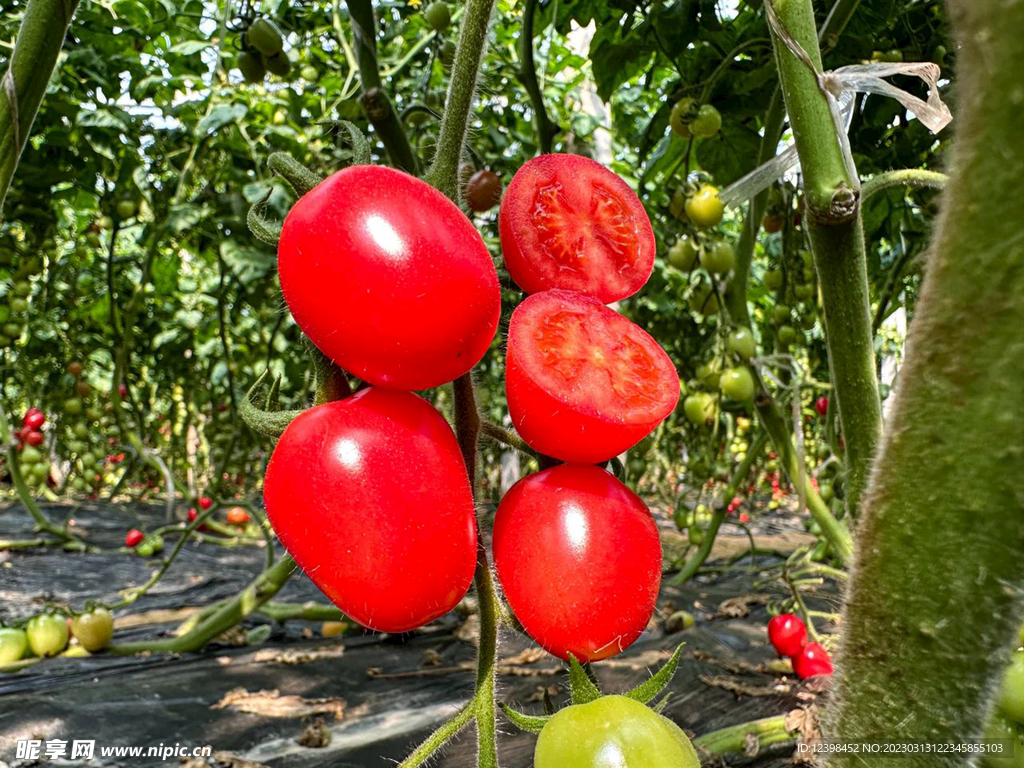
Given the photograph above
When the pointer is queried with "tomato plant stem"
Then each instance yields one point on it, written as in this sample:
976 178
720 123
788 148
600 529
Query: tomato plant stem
837 243
937 592
546 130
36 48
908 177
734 739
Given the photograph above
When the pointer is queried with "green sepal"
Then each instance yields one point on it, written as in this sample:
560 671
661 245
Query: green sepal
331 382
269 423
528 723
581 687
262 228
648 690
295 173
360 144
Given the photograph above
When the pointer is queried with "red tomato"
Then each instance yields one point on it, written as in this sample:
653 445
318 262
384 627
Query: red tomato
34 437
133 538
569 222
370 496
237 516
389 278
579 558
821 405
33 418
122 390
812 660
192 514
583 382
787 634
205 502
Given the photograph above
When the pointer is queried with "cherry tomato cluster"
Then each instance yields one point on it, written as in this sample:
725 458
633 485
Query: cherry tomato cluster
262 52
30 432
788 635
48 634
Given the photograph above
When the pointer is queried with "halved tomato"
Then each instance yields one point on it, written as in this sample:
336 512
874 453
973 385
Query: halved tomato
583 382
569 222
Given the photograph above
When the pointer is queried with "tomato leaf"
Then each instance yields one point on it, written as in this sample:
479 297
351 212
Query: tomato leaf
647 691
524 722
581 687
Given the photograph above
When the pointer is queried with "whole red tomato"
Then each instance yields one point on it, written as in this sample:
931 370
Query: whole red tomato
34 437
483 191
583 382
821 405
787 634
370 496
33 418
133 538
237 516
389 278
579 558
205 502
569 222
813 660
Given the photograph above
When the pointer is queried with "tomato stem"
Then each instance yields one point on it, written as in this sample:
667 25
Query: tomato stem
734 739
546 130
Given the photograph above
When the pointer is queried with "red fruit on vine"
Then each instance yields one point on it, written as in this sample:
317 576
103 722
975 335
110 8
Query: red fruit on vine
370 496
583 382
205 502
483 191
122 390
389 278
787 634
568 222
811 661
33 418
578 556
821 405
192 514
237 516
133 538
34 437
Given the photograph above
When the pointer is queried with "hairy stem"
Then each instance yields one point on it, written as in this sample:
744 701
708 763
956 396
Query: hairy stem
909 177
925 645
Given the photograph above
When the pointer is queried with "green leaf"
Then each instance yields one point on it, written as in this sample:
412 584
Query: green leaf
100 118
220 116
189 47
248 263
648 690
581 686
730 154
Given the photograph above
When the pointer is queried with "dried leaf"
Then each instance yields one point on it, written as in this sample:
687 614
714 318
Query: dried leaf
273 704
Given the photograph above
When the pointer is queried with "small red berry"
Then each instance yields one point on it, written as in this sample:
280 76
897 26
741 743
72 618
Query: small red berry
787 634
812 661
192 514
33 418
205 502
133 538
122 390
237 516
821 405
34 437
744 517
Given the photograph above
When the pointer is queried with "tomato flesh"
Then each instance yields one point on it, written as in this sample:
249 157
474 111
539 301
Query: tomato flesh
569 222
371 498
613 732
578 556
389 278
583 382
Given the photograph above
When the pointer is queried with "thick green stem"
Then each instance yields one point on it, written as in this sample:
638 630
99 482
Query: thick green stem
937 593
692 565
379 109
444 171
22 87
833 224
734 739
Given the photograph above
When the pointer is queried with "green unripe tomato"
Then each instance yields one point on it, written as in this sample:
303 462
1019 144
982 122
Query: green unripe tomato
682 113
145 549
251 66
47 634
105 222
156 542
13 644
264 36
5 341
737 384
125 209
1011 694
786 335
81 430
88 458
92 239
683 254
447 53
825 491
705 208
73 406
30 455
677 205
613 732
704 301
708 374
5 313
699 408
94 630
773 279
780 313
438 15
719 258
19 306
22 288
11 330
309 73
999 727
279 64
93 413
707 122
741 343
803 291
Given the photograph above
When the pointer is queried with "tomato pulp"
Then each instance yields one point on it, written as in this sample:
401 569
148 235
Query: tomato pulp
578 556
569 222
389 278
583 382
370 496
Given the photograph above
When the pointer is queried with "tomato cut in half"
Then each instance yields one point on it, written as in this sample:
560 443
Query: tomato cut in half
578 556
569 222
389 278
583 382
371 498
